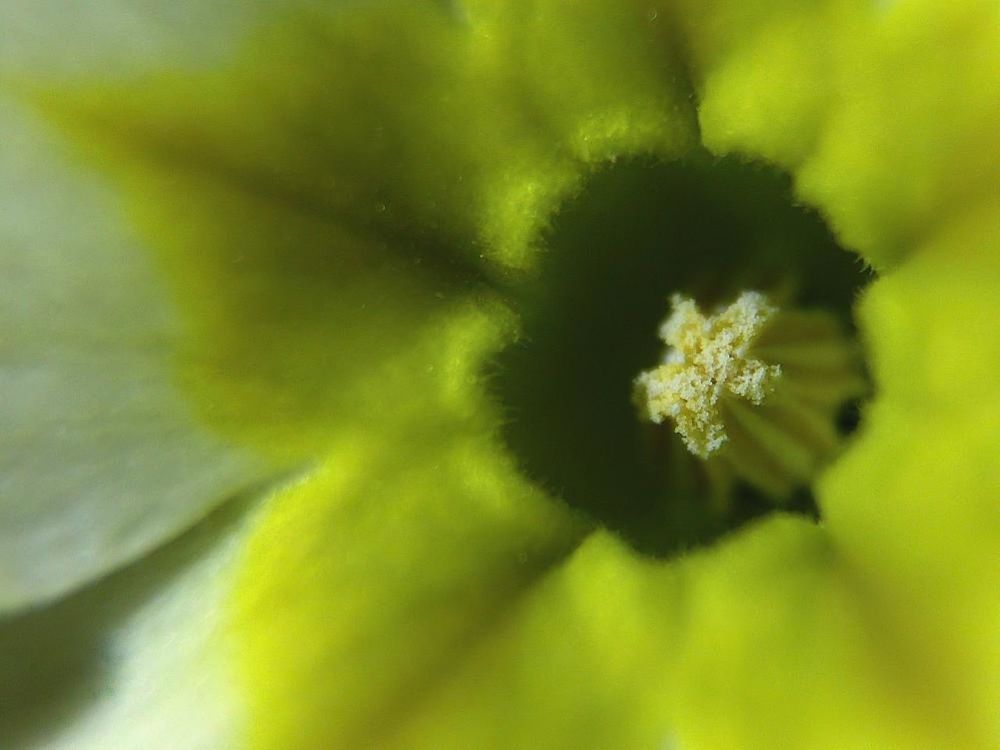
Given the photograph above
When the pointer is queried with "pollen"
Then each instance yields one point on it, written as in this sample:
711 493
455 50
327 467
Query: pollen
753 391
707 359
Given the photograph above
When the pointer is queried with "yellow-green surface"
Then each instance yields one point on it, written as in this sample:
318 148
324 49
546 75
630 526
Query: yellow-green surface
342 211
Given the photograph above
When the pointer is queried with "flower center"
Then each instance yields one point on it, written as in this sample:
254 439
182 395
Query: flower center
707 359
706 229
751 390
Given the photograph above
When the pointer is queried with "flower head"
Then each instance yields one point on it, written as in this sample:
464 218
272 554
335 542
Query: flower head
278 286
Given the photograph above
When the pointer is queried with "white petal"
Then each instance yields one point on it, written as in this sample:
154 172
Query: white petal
139 659
54 37
101 455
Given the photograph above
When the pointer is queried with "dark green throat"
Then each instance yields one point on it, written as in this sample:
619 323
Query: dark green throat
640 231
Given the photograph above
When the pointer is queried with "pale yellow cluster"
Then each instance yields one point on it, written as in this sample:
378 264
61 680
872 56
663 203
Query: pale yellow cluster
707 359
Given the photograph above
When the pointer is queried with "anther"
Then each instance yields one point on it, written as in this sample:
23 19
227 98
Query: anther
753 390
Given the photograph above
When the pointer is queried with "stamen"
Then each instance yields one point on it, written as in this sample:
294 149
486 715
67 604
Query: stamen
753 389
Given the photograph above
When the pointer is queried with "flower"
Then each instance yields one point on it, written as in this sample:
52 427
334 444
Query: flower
267 254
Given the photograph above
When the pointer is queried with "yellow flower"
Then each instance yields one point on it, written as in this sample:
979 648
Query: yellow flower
340 295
